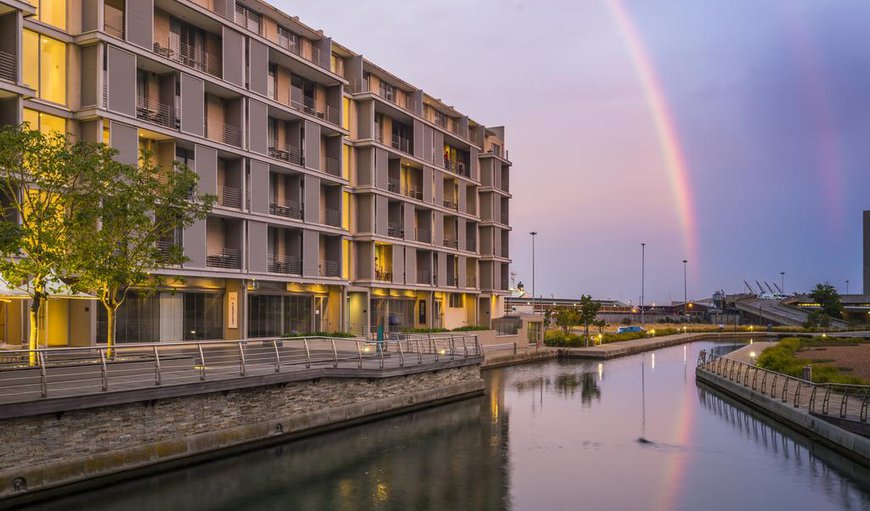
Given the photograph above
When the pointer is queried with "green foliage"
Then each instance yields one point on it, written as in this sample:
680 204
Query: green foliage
783 358
817 319
470 328
566 317
828 298
335 334
560 339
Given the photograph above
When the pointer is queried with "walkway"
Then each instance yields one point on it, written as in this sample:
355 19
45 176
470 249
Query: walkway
623 348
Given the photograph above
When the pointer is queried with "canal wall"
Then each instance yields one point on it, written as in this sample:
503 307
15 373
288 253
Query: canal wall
851 445
625 348
86 445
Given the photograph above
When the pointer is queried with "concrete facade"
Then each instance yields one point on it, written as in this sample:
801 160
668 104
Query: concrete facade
346 198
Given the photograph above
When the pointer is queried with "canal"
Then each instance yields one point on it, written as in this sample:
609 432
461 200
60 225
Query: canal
630 433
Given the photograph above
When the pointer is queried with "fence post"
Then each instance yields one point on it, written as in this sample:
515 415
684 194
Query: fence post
452 347
844 404
382 358
515 347
156 366
202 362
104 370
401 355
419 353
243 366
334 354
359 353
42 376
307 353
277 356
465 345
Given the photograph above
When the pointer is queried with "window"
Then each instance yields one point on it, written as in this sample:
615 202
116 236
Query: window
441 119
203 316
137 319
388 92
276 315
52 12
43 122
456 300
272 81
48 74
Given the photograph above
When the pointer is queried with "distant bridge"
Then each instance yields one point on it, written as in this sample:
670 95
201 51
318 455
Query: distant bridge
775 312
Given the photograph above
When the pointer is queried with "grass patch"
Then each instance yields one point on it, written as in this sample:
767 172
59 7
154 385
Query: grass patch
783 358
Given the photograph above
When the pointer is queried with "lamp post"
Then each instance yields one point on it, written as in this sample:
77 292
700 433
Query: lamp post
642 275
847 286
782 281
533 233
685 289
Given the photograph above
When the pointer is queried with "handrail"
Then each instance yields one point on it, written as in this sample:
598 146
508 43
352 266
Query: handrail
287 152
851 401
222 132
73 371
191 56
157 112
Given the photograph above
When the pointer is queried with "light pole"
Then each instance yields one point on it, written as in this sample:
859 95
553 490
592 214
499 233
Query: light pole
642 270
782 281
685 289
847 286
533 233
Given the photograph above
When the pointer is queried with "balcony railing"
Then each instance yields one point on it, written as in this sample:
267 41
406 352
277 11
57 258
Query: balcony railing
383 275
470 244
452 280
451 243
402 144
286 208
308 105
413 193
287 153
7 67
393 185
329 216
113 21
395 230
228 258
456 166
285 264
190 56
361 86
229 197
296 45
158 113
166 246
424 277
378 133
451 204
458 129
249 19
222 132
332 166
330 268
422 235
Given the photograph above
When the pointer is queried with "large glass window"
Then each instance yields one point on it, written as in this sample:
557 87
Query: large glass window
203 316
394 315
30 53
52 12
45 70
44 122
137 319
278 315
297 314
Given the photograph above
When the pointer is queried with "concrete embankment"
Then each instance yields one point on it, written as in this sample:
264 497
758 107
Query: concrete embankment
851 445
90 446
624 348
524 356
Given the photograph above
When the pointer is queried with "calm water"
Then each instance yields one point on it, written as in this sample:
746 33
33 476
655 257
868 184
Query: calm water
549 436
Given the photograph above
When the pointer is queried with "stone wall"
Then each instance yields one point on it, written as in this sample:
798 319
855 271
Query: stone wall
45 451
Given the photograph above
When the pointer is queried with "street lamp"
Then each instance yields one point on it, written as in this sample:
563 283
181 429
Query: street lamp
533 233
685 289
642 268
847 286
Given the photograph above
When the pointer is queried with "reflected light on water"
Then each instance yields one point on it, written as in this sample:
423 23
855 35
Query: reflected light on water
600 371
653 361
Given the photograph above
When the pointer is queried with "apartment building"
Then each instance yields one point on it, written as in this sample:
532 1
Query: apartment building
347 199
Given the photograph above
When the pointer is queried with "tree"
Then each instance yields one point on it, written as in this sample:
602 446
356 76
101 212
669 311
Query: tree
817 319
588 311
132 228
827 297
566 317
39 176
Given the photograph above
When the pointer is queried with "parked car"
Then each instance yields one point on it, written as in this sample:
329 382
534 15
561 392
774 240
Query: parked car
629 329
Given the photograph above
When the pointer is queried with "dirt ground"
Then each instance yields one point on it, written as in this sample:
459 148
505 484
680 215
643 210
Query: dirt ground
856 358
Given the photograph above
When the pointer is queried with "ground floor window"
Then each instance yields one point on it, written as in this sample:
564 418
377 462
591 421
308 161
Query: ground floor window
278 315
137 319
165 316
203 316
393 315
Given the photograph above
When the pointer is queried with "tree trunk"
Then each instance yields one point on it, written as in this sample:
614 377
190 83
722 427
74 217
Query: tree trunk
587 335
110 329
33 338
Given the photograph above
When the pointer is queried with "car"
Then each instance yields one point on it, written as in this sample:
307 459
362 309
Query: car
629 329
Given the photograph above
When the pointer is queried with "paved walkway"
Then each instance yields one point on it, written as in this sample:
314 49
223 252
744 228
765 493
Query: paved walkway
623 348
749 353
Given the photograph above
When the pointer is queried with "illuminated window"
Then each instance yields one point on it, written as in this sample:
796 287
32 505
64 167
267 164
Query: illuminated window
44 122
47 75
52 12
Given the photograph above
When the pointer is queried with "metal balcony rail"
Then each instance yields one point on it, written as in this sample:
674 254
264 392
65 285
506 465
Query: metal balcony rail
458 129
190 56
69 372
300 47
451 204
451 243
286 208
422 235
470 244
402 144
228 258
330 216
229 197
249 19
285 264
223 8
158 113
848 402
164 246
329 268
113 21
287 153
358 86
452 280
7 67
222 132
378 133
383 275
395 230
393 185
332 165
424 277
413 193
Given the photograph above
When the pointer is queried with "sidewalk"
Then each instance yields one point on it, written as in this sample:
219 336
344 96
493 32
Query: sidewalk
623 348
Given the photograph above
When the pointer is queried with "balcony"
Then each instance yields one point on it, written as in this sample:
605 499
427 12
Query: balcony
424 277
226 258
422 235
471 244
451 243
287 153
450 203
402 144
378 133
389 94
330 216
158 113
286 264
393 185
286 208
308 105
229 197
395 230
333 166
113 21
383 275
168 247
330 268
458 167
7 67
300 47
222 132
190 56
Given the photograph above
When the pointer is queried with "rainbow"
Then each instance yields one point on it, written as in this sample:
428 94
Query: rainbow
665 126
676 466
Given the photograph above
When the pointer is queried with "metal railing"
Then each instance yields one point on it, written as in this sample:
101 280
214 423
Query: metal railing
190 56
413 193
229 197
113 21
451 243
229 258
424 277
361 86
402 144
329 268
7 67
287 152
848 402
285 264
158 113
383 275
222 132
393 185
395 230
297 46
286 207
27 375
166 245
332 166
422 235
451 204
329 216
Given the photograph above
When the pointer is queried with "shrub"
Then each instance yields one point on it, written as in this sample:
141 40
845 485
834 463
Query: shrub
318 334
560 339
